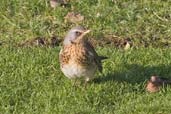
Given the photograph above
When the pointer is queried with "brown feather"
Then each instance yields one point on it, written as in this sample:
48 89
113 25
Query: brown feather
97 59
83 54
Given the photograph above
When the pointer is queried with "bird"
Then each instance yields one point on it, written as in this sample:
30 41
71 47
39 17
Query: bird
156 82
78 58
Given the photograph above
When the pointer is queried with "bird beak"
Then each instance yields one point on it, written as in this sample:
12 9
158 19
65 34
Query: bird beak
83 34
87 31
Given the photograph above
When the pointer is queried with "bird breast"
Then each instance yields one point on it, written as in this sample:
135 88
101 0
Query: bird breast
76 62
75 54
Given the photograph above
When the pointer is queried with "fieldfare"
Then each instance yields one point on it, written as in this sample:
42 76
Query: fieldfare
78 58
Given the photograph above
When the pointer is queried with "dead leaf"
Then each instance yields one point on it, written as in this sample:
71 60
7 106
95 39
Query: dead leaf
98 14
55 3
73 17
127 46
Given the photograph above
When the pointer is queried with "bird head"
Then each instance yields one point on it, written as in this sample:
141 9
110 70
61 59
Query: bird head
75 34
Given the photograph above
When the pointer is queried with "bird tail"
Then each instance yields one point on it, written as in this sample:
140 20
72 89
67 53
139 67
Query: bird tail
99 62
103 57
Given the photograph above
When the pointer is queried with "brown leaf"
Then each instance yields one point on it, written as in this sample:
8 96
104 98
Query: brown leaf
55 3
74 17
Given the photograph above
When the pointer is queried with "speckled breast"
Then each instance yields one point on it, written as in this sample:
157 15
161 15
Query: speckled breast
76 62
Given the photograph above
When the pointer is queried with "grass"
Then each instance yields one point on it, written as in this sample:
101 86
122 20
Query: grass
146 23
31 81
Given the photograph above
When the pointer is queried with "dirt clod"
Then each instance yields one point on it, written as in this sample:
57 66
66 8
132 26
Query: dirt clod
113 41
155 83
41 41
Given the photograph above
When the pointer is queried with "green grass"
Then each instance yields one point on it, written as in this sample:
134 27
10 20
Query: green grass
31 81
146 23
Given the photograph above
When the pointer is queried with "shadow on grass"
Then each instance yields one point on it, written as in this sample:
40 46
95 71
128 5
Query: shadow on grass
134 73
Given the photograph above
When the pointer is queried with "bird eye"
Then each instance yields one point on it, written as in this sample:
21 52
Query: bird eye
78 33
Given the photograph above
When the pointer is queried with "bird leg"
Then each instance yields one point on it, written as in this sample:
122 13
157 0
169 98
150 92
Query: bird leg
75 81
86 81
85 84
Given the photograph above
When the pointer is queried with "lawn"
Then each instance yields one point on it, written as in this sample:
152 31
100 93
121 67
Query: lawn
31 81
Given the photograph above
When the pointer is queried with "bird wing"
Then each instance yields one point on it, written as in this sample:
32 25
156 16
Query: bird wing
92 54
